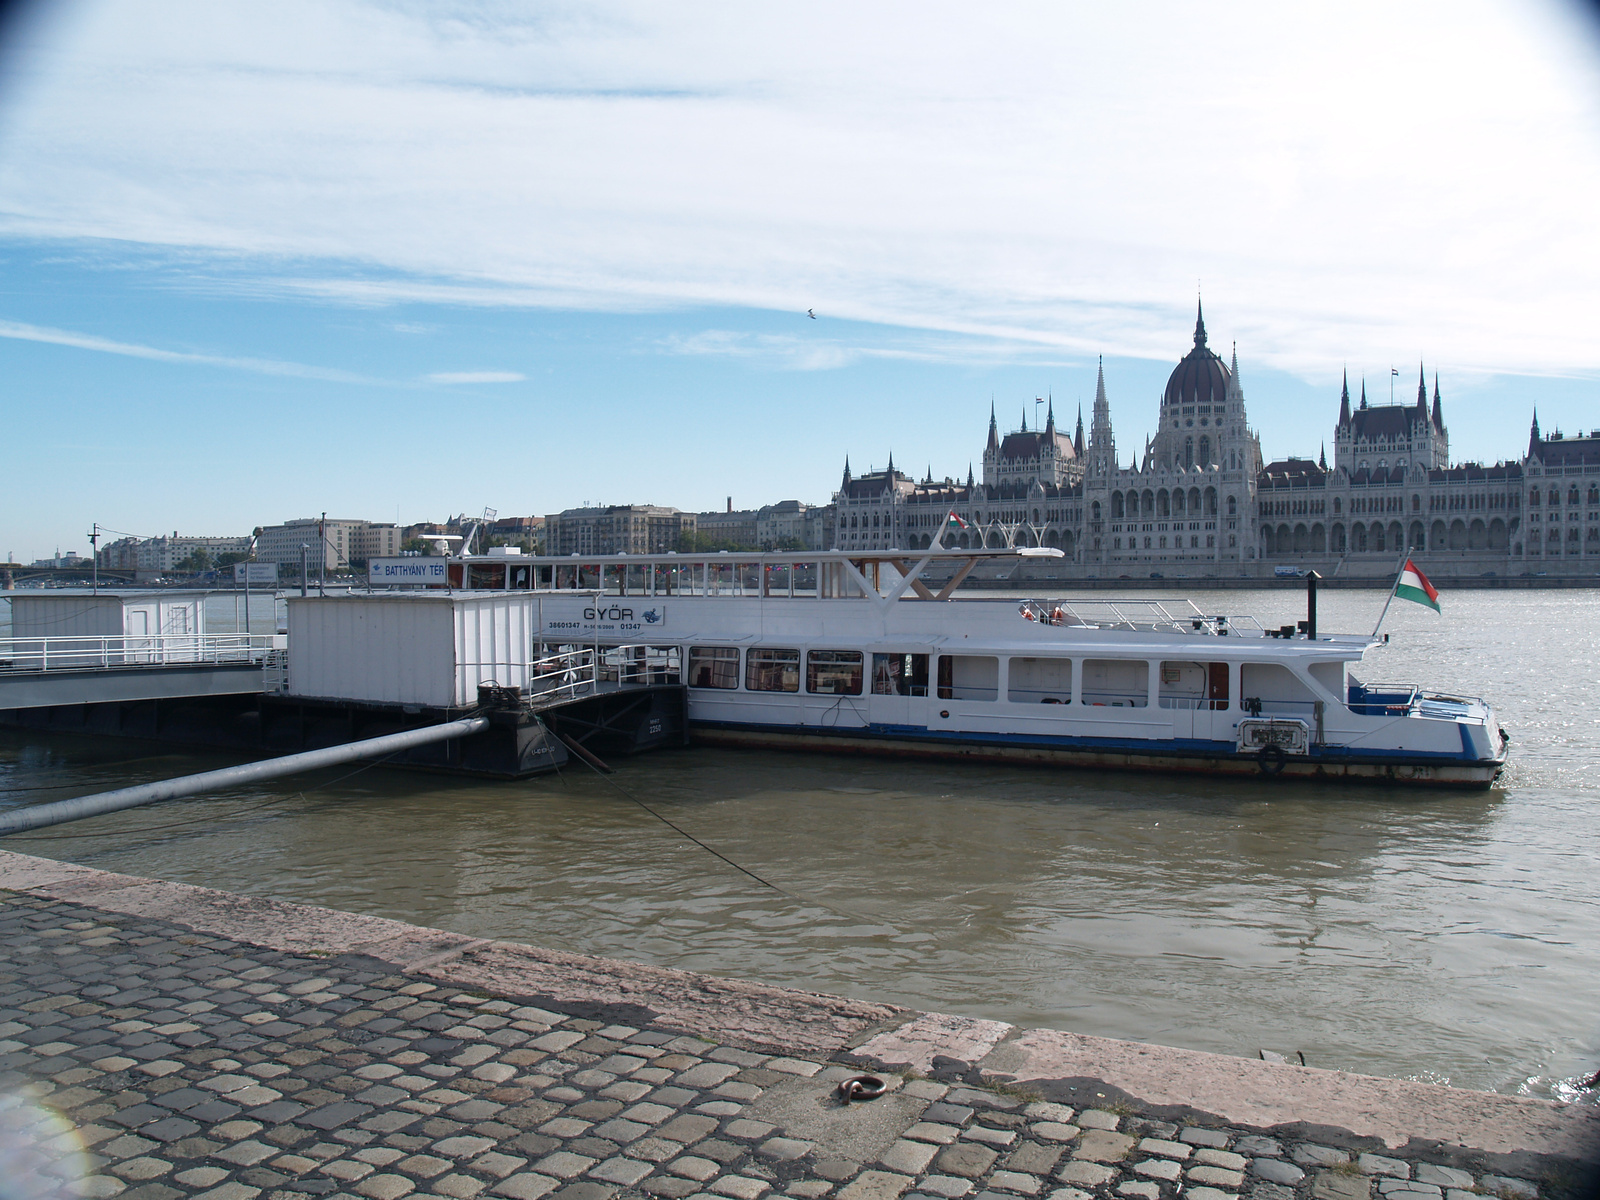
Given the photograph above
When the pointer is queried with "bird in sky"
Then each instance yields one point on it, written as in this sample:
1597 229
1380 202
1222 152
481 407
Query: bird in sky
811 314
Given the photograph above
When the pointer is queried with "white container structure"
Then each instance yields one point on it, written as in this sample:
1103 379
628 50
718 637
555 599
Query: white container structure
60 612
109 628
415 649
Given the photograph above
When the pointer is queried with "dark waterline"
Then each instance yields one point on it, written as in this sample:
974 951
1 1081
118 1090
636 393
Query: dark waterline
1446 935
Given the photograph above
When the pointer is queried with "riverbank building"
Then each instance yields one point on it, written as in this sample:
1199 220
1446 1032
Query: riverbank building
1198 498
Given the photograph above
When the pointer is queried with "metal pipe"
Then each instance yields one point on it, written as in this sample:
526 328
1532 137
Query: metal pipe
59 811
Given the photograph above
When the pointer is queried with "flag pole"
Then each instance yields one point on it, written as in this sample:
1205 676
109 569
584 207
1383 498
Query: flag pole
1399 570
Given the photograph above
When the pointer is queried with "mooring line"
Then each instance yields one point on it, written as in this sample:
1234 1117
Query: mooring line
783 891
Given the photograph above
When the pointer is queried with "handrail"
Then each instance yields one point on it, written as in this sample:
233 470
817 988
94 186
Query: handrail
1140 614
32 655
581 671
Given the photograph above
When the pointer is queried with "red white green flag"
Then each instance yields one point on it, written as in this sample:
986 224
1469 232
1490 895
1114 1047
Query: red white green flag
1414 585
956 521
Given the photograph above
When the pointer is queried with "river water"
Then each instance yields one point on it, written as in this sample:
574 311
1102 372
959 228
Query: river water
1448 936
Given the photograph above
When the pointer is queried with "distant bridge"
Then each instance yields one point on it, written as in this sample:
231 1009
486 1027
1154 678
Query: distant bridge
12 574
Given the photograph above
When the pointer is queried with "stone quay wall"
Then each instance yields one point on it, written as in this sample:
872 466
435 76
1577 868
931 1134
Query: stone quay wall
159 1041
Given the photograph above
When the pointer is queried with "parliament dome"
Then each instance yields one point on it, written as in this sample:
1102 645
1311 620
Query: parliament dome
1201 377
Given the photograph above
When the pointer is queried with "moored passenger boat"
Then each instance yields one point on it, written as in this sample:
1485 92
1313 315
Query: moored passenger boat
859 653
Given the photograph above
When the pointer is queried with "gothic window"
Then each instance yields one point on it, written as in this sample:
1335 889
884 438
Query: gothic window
1096 510
1205 452
1416 503
1572 494
1188 452
1555 498
1533 498
1233 506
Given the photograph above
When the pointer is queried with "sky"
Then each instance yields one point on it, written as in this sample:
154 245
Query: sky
399 260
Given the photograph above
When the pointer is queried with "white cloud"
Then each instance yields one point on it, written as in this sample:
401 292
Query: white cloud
1374 180
476 377
19 331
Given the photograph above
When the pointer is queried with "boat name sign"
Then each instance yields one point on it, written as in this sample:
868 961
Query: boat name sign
613 618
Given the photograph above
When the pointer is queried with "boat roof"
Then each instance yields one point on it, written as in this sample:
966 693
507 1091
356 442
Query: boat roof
890 555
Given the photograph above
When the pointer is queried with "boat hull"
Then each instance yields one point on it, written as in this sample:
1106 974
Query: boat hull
1215 759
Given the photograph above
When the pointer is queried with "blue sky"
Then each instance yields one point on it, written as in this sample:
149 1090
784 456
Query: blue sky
384 260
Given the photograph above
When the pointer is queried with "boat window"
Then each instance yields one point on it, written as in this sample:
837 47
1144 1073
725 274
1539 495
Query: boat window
491 577
639 665
1279 690
899 674
1194 685
1039 681
664 665
772 670
1331 676
833 672
969 677
1116 682
713 666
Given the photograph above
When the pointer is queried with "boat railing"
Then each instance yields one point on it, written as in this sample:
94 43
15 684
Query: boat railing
1139 614
1383 699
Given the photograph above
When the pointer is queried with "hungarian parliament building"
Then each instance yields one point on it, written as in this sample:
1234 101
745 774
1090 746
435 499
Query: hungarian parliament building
1199 497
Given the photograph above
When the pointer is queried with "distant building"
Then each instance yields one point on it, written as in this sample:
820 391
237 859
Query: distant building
163 554
333 544
736 527
793 524
1199 492
69 559
527 532
617 529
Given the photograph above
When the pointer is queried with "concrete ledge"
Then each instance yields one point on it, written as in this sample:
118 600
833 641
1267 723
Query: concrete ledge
1081 1071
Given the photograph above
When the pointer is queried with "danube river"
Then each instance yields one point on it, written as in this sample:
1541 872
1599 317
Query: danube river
1447 936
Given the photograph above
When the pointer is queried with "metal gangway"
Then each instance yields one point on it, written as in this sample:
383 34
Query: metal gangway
560 675
88 669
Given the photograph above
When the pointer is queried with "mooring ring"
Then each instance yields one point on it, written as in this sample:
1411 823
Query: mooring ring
861 1087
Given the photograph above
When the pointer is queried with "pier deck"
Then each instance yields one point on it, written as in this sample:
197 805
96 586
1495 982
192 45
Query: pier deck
208 1044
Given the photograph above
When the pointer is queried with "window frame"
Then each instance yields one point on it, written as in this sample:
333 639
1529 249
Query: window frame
819 663
761 661
710 656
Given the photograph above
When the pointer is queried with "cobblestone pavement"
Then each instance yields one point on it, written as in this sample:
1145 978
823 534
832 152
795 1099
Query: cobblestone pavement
194 1065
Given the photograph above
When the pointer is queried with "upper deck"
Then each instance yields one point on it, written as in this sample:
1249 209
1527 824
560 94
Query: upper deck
904 590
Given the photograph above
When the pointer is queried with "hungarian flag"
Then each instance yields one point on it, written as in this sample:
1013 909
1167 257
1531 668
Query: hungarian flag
956 521
1414 585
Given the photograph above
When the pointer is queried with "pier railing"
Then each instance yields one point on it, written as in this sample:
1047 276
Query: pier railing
87 653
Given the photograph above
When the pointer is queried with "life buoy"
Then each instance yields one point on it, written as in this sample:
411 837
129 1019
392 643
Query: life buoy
1271 760
1028 613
